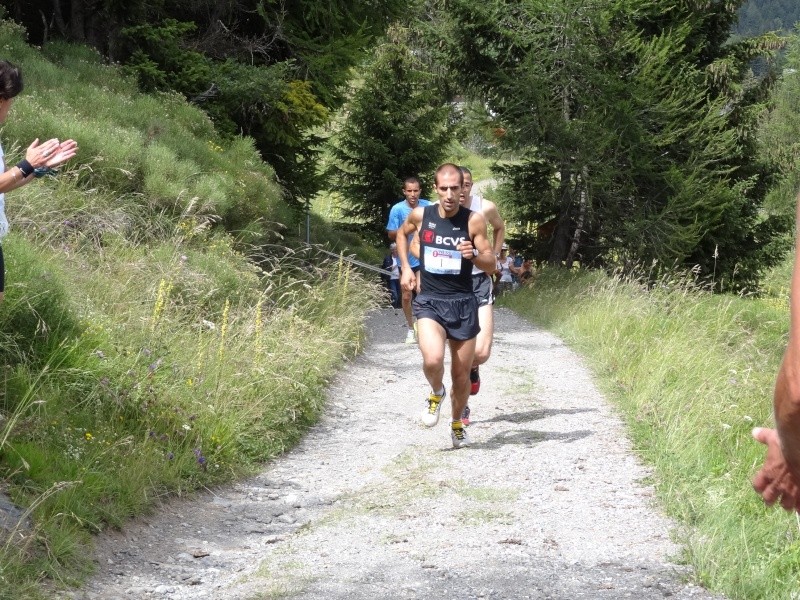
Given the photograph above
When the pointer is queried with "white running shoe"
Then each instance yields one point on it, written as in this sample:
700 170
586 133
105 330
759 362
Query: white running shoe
430 415
411 337
459 437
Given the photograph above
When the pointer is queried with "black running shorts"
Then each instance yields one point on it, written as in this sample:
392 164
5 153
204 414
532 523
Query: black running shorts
482 288
458 316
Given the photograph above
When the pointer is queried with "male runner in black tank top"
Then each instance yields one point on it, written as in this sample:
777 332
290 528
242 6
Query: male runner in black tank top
452 240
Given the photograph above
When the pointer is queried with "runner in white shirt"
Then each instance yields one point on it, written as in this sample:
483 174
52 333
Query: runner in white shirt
482 283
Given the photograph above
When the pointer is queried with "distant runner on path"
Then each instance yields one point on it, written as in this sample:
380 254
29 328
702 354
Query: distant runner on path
452 239
397 216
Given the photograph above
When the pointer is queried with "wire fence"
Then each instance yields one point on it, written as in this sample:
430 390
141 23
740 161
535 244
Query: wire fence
356 262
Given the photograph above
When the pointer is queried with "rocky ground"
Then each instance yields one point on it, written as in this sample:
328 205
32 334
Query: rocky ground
548 502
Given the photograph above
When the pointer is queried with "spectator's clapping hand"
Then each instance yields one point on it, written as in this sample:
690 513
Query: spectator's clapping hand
38 154
66 150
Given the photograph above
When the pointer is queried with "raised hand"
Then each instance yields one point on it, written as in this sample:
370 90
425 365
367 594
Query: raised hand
38 153
65 150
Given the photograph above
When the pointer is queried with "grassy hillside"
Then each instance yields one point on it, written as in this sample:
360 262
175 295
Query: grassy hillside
157 334
692 374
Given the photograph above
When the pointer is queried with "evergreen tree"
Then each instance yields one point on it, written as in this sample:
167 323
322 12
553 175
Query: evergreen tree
395 127
636 127
780 134
271 70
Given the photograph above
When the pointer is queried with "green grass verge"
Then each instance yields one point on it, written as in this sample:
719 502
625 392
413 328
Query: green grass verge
691 373
154 339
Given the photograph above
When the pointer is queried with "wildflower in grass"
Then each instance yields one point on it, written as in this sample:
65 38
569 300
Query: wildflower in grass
89 437
164 289
201 460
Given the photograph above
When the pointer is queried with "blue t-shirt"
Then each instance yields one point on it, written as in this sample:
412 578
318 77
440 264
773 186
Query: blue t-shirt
398 216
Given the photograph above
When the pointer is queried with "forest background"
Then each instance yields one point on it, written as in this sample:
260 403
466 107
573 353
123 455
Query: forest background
166 327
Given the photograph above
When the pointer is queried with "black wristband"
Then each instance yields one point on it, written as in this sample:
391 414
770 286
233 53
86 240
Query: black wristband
25 167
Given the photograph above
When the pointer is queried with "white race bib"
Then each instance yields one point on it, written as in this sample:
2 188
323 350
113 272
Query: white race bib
442 261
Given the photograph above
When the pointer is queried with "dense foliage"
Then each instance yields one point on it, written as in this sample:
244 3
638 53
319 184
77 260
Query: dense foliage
780 134
636 126
269 70
147 349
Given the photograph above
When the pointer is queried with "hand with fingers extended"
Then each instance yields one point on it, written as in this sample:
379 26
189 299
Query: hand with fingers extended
66 150
777 480
38 152
51 153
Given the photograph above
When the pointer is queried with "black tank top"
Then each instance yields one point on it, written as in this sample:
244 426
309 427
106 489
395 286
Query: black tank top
443 270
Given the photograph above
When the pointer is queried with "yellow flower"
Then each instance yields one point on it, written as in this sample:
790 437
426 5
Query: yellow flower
88 436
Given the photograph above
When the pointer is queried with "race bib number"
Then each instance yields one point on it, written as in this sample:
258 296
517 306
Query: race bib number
442 261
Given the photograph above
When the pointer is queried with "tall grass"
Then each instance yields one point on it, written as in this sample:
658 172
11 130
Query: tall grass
691 374
149 347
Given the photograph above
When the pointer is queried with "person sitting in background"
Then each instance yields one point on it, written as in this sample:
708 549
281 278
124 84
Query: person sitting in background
524 273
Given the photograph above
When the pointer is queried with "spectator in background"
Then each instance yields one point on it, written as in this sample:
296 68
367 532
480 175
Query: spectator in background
392 263
525 272
39 157
504 264
516 264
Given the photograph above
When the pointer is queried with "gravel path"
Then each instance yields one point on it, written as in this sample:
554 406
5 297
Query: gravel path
548 503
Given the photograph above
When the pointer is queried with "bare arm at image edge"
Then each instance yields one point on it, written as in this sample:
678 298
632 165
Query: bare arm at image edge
779 478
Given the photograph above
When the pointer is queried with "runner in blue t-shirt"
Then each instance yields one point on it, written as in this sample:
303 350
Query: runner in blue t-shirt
397 216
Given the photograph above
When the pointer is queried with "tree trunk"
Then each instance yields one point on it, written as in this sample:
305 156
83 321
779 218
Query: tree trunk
561 237
583 201
58 18
76 21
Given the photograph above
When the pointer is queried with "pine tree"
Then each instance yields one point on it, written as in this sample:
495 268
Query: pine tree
635 123
395 127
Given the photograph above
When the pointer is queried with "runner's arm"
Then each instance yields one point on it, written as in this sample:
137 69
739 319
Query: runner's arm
408 279
494 219
485 260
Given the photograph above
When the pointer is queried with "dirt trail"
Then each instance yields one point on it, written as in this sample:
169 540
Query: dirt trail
548 503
